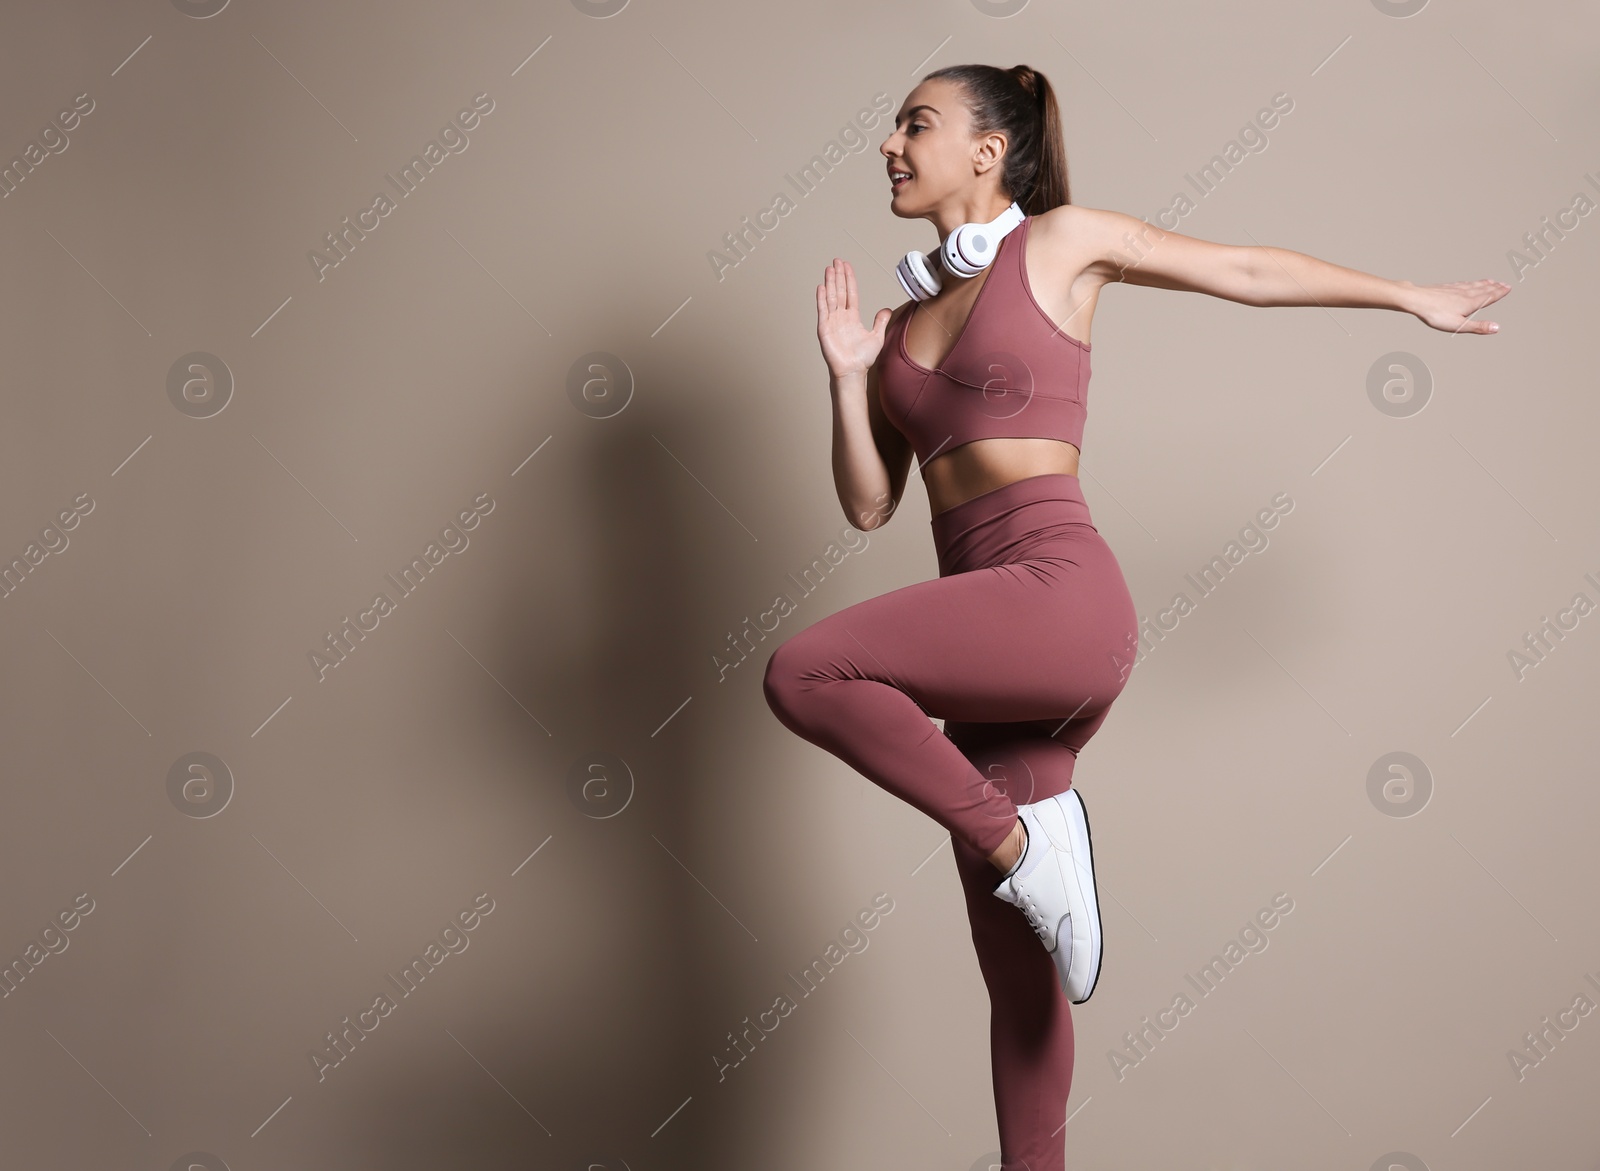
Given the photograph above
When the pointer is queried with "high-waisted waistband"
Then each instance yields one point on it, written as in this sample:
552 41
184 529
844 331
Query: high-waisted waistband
1008 522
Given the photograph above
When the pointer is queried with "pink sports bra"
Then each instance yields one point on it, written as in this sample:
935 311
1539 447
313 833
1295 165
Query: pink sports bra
1011 373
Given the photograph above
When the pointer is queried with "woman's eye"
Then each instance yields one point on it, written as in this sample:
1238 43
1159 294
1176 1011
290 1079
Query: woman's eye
917 126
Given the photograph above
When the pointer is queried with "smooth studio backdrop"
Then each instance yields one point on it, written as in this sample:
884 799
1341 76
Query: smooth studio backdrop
415 442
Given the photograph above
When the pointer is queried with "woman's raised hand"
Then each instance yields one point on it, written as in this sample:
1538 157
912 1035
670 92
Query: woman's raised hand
1450 307
847 346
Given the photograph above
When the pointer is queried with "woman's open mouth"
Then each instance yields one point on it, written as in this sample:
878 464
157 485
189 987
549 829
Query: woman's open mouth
898 179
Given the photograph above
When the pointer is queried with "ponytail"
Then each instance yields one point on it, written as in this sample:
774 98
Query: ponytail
1020 103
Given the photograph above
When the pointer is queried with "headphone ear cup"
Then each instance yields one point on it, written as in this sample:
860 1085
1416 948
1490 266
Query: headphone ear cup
969 249
917 277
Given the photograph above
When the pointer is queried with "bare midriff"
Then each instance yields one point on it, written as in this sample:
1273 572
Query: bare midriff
986 464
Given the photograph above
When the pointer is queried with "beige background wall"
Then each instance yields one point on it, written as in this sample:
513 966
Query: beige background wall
557 664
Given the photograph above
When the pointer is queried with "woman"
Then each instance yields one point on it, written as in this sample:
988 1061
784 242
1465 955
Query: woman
1027 636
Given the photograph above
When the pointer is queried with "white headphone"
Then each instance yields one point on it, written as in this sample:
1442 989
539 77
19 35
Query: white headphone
966 252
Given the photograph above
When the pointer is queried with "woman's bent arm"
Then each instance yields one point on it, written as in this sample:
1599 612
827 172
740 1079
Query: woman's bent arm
870 458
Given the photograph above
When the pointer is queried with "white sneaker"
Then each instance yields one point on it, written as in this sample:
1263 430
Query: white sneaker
1052 884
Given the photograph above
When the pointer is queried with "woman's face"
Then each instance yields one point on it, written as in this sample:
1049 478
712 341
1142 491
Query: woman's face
933 143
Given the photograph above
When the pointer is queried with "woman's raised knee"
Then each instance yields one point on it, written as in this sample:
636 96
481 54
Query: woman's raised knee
795 671
780 683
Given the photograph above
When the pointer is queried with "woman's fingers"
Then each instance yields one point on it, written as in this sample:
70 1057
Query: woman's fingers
1469 298
839 285
1490 290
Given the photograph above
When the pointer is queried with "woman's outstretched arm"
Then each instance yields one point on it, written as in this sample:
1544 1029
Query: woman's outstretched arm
1138 253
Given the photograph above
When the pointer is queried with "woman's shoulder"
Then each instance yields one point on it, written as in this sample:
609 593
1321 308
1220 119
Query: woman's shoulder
1069 241
1067 219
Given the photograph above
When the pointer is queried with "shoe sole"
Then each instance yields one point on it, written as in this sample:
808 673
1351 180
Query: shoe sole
1097 941
1088 940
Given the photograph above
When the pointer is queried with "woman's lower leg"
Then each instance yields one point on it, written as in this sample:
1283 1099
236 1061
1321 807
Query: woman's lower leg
1030 1024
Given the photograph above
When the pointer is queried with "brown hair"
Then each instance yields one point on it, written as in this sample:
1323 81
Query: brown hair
1019 103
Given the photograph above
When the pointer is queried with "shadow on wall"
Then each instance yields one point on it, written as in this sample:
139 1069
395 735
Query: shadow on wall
617 957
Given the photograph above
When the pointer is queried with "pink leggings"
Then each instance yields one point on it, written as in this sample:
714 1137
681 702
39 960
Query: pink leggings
1020 646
